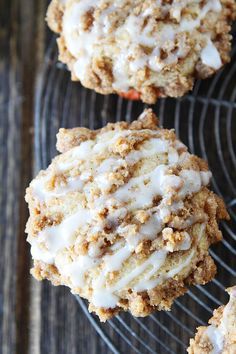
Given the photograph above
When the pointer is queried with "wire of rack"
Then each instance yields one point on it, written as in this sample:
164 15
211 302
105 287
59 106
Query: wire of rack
205 121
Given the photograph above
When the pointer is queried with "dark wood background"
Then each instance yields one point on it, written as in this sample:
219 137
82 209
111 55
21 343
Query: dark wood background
23 327
35 318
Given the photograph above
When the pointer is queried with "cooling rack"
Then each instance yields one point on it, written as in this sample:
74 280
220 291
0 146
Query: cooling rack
205 121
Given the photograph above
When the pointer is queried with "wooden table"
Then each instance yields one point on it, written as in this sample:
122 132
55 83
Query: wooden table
28 322
35 318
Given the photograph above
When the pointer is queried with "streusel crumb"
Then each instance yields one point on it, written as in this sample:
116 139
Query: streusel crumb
124 217
220 336
142 49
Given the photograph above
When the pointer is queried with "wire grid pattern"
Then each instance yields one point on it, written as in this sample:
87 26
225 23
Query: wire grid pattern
205 121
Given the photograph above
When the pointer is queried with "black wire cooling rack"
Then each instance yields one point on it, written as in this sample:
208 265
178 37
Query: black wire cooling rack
205 121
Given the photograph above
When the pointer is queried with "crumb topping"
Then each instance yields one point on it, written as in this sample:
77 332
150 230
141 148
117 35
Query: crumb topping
115 46
123 212
220 336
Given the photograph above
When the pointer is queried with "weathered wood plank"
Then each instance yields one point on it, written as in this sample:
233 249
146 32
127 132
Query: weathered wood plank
34 318
10 118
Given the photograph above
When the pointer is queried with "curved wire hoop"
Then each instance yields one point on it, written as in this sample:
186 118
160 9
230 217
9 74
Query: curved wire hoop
205 121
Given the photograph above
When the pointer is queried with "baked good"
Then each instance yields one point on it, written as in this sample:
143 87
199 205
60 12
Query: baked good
220 336
123 216
142 49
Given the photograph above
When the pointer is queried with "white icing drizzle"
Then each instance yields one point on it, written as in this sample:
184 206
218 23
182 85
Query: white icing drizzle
52 243
182 246
104 298
76 270
39 253
140 191
40 190
89 149
146 270
148 284
189 25
80 42
59 236
216 337
155 261
185 245
87 44
110 293
115 260
217 334
210 56
193 180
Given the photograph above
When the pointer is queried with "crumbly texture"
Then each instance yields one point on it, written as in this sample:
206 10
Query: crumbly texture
123 216
220 335
142 49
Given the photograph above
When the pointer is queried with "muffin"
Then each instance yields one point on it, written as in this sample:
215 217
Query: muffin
124 217
220 336
142 49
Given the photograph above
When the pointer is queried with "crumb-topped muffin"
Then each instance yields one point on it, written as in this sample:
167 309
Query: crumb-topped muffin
220 336
142 49
123 216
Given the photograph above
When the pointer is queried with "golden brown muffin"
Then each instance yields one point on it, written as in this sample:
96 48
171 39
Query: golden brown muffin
142 49
220 336
123 216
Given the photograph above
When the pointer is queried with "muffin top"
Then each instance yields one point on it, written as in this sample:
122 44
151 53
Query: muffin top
155 47
124 211
220 335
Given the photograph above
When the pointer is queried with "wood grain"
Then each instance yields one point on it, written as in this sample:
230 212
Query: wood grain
34 318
